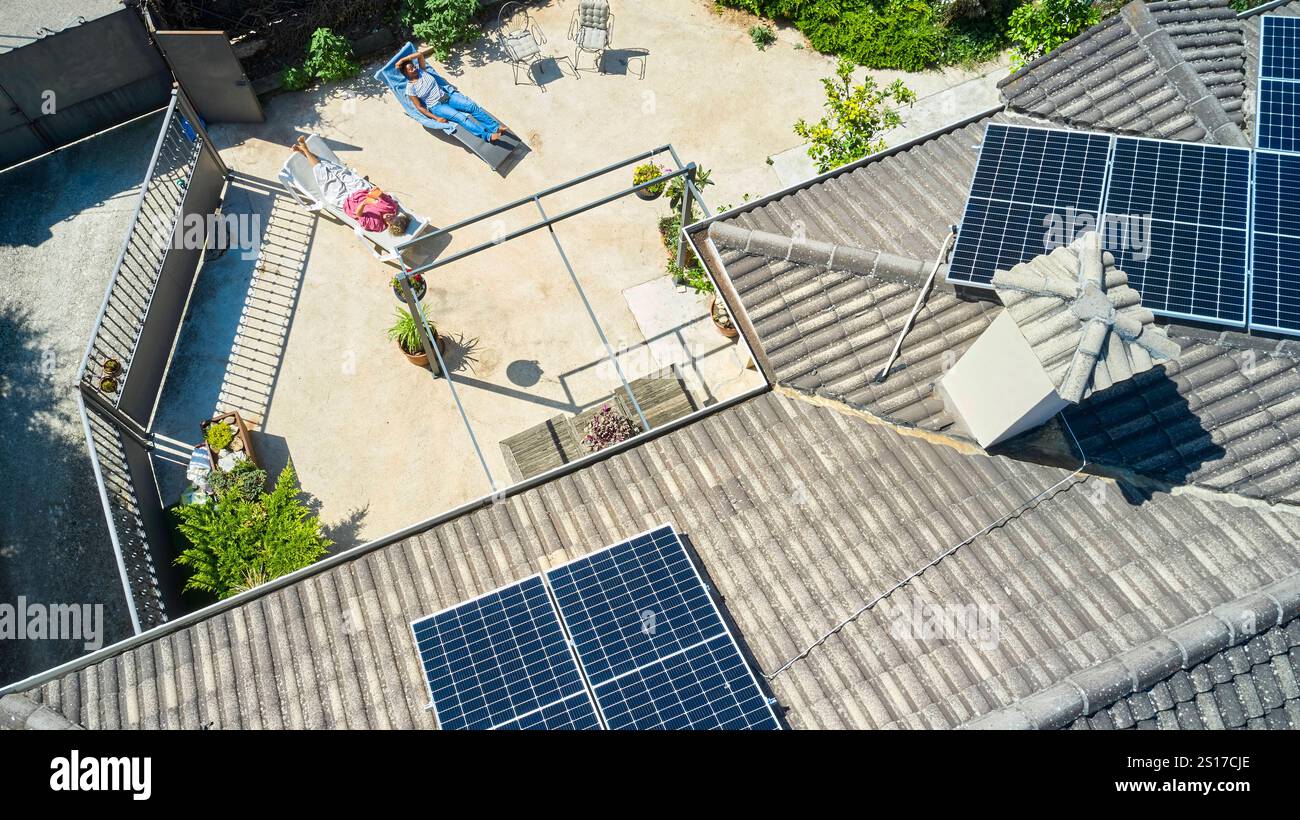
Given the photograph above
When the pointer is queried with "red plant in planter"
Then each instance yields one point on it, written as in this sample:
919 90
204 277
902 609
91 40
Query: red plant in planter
607 428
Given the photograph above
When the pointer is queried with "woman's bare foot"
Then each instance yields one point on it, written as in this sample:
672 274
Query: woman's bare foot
498 134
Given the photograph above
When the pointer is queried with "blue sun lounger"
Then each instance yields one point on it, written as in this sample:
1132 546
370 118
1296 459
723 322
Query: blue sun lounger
493 153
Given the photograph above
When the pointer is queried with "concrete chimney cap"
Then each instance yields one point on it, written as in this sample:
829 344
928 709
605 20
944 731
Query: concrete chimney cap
1084 323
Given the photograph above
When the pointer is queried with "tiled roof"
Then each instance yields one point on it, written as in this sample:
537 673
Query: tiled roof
800 514
1173 69
1237 667
1084 323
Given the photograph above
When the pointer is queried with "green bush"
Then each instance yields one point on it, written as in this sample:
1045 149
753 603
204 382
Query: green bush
329 57
856 116
295 78
246 480
441 23
237 543
897 34
1040 26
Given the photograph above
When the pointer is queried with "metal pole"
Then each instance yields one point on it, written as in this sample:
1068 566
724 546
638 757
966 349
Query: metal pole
687 184
492 243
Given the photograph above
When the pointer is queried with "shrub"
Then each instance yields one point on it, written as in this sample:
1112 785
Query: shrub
329 57
1040 26
441 23
246 480
762 36
677 190
219 436
607 428
235 541
646 172
855 117
295 78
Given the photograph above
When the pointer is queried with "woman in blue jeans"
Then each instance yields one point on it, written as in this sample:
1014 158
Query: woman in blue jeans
440 104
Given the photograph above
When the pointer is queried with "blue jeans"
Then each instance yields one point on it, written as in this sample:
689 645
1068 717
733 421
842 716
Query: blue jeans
460 109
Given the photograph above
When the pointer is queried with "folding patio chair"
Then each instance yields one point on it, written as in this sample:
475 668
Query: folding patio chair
493 153
522 40
592 31
298 180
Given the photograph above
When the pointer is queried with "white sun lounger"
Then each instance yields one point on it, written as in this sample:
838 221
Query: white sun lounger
297 178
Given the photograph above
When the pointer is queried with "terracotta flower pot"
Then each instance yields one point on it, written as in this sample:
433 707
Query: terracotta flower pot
421 359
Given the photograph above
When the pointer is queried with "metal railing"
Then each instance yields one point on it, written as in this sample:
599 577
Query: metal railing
151 235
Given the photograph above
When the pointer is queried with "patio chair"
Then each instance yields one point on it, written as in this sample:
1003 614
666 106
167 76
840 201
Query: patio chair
493 153
592 31
522 40
300 182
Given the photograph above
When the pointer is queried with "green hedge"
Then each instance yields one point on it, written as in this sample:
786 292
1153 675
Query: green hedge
908 35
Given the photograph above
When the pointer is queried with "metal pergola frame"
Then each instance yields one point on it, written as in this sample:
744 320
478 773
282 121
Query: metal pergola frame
691 195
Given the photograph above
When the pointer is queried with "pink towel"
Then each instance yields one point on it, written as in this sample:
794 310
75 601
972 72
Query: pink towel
371 216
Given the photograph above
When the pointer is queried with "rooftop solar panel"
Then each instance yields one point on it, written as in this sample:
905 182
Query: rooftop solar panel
1277 126
502 660
1023 178
1275 277
703 687
1196 200
1280 47
652 642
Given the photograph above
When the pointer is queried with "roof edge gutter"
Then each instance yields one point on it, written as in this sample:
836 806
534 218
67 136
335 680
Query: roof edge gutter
852 166
354 553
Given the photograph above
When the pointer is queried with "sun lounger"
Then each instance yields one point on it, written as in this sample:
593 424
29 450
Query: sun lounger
493 153
300 182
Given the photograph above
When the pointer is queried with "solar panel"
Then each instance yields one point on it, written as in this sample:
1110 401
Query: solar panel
652 642
502 661
1277 126
1195 198
1275 279
1024 178
1279 53
703 687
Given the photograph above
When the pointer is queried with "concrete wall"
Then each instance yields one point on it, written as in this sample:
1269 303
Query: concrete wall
94 76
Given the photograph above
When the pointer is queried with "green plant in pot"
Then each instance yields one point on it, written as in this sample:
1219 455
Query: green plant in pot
406 333
643 174
418 287
219 436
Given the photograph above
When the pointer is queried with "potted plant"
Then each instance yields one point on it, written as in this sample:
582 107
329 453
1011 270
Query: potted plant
607 428
406 333
644 173
112 367
108 384
228 441
722 318
418 287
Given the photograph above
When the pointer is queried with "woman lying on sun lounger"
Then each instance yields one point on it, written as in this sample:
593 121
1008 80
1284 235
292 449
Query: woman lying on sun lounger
372 209
431 100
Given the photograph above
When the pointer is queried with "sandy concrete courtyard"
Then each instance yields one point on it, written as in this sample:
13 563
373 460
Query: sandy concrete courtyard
294 338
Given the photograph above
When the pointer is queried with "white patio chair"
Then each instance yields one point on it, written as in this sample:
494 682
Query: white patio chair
522 40
299 181
592 31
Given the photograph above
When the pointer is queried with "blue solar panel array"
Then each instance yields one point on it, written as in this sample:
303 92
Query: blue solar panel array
1275 282
1197 198
1277 125
652 642
502 659
633 624
1024 176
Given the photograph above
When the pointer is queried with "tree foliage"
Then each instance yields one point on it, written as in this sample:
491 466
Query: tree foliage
1042 25
237 542
441 23
856 116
